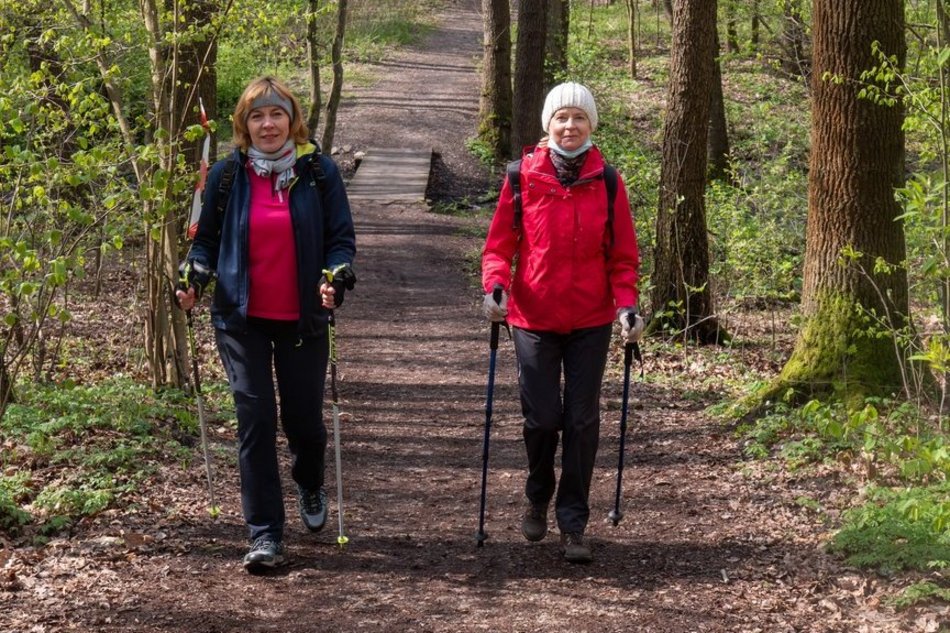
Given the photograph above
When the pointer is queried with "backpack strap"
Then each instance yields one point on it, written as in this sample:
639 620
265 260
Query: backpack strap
513 171
316 169
610 181
224 188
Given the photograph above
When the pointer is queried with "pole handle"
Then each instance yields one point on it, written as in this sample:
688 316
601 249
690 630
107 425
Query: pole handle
496 294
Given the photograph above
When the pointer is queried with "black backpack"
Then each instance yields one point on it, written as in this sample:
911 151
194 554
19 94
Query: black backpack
609 175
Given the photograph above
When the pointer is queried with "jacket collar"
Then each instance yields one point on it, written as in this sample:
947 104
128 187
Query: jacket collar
538 160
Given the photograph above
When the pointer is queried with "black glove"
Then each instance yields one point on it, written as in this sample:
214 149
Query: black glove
193 274
342 278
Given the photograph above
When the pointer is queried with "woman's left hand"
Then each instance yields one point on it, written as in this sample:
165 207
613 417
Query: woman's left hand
327 293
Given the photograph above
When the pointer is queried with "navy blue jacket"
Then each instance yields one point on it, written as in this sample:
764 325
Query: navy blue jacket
323 233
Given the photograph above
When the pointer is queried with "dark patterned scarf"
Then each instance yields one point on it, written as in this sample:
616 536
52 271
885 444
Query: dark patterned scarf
568 169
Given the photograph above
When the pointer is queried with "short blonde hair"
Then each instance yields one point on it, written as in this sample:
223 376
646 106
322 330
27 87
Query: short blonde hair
265 87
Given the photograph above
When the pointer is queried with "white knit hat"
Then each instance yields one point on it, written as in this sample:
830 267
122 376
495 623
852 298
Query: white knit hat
569 95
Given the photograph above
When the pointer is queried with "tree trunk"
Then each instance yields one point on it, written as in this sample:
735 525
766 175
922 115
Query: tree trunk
336 88
682 300
313 56
718 130
197 79
494 108
793 40
529 76
165 343
632 37
754 37
943 18
732 35
559 22
857 160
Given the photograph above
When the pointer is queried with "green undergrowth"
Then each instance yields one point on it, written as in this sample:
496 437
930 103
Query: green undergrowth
901 520
71 451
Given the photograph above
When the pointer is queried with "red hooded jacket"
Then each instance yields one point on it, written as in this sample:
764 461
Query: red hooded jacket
555 269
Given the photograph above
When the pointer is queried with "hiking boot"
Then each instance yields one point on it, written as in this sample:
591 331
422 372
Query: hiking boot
266 553
534 523
313 507
576 549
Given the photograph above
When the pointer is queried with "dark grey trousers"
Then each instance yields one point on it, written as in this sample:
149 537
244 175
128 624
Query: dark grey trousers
252 359
550 413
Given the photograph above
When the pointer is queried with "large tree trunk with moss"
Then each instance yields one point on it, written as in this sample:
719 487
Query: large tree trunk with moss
682 300
857 159
529 75
494 111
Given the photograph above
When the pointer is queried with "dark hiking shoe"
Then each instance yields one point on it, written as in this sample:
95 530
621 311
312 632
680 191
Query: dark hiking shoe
266 553
576 549
534 523
313 507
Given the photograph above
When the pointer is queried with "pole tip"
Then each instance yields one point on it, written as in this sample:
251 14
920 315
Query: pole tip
480 539
615 516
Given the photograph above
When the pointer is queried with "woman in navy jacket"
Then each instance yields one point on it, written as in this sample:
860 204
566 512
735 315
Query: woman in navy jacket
286 220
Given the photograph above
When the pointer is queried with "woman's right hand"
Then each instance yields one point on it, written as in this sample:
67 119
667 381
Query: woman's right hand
186 300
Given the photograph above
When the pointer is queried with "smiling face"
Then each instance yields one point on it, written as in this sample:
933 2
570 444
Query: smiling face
569 128
269 128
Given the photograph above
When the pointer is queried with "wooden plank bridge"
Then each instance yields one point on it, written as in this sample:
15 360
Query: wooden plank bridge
391 175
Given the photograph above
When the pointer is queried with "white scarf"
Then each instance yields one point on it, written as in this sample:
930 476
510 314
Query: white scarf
280 163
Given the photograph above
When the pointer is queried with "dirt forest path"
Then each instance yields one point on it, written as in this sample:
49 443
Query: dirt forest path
703 545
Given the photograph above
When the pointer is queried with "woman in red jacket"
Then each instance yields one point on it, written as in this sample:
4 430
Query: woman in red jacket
576 272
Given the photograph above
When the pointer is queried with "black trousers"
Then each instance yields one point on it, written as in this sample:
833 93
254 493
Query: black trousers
252 359
573 415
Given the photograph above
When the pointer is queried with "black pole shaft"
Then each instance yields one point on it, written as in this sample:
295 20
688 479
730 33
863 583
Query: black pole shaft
616 515
480 537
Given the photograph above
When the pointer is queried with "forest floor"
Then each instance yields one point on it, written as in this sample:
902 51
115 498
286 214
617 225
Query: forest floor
711 541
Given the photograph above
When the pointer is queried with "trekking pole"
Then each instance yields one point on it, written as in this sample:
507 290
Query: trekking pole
196 379
481 537
331 329
630 350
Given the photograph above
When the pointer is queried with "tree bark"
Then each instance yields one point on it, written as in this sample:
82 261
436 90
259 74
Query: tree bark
857 160
558 29
943 19
718 129
494 108
682 299
529 76
166 338
732 35
336 88
793 40
754 37
632 9
313 59
197 78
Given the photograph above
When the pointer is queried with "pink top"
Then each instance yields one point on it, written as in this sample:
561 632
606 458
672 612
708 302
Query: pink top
272 253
